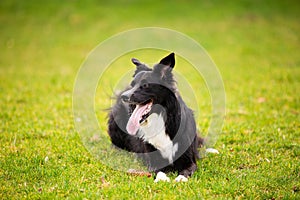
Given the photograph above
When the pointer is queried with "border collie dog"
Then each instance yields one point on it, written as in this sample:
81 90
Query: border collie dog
151 119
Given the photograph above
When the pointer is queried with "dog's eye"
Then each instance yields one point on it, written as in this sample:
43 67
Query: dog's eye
144 84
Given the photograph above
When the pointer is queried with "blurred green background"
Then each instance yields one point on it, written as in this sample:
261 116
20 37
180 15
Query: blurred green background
255 44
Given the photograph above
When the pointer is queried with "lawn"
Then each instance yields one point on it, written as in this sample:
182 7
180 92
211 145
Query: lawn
254 44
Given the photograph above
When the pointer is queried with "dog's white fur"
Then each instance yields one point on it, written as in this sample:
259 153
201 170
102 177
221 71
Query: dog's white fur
160 176
181 178
153 131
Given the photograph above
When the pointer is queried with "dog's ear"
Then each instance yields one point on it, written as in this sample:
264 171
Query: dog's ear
139 66
136 61
168 60
165 66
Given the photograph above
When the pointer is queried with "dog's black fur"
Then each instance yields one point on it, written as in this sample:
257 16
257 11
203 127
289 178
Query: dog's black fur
158 86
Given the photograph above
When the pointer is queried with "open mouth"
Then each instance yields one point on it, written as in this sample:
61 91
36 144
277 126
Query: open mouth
139 116
146 112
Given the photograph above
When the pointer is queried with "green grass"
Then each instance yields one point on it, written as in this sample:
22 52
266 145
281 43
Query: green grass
255 45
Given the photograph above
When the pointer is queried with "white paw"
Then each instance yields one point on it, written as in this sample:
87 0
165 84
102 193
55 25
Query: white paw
160 176
211 150
181 178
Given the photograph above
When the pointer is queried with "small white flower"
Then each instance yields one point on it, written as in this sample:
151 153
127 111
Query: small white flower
78 119
211 150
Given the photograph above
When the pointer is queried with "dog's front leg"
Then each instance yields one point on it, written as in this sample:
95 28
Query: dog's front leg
184 174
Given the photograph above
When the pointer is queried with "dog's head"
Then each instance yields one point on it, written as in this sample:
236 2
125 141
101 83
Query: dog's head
149 87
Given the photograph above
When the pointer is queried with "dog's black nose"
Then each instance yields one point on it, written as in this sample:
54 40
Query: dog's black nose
125 98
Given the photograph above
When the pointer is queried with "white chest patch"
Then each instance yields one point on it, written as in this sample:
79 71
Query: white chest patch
153 131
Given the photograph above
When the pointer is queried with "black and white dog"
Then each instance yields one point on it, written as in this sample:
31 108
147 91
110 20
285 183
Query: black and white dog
151 119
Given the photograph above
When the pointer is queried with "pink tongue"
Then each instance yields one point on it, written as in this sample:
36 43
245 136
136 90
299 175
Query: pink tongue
133 124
